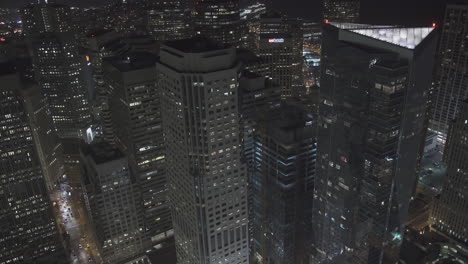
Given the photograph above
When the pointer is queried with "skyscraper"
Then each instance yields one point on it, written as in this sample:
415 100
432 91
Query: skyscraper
207 180
219 20
167 21
282 186
373 94
280 47
449 212
111 195
344 11
136 115
48 145
58 67
102 44
451 78
257 96
45 17
28 230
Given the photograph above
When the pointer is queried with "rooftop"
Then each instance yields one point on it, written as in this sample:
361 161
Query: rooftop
195 45
408 38
133 61
103 152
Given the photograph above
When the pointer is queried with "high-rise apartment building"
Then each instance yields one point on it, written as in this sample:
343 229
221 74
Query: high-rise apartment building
372 114
28 230
167 20
111 197
218 20
282 186
58 68
451 78
135 107
449 212
280 47
45 17
207 180
342 11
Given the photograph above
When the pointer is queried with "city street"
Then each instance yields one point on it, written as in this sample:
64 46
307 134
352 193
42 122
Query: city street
433 171
70 213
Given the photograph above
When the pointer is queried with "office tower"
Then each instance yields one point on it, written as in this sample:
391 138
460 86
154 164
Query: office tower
451 79
311 34
343 11
280 46
372 113
58 67
449 212
111 197
167 21
48 145
27 229
219 20
45 17
253 12
257 96
207 180
253 63
136 114
250 18
282 186
102 44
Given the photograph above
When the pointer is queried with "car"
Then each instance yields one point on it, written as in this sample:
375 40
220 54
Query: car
80 246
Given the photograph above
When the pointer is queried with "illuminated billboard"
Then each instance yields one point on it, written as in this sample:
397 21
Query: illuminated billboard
276 40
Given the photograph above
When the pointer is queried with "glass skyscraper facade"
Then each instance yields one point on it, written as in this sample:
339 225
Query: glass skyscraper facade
451 78
282 186
371 131
449 214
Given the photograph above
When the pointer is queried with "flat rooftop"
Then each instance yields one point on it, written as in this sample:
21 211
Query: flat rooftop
103 152
133 61
195 45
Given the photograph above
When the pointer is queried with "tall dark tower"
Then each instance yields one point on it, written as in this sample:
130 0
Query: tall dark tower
451 79
58 67
282 186
218 20
58 70
372 117
346 11
135 106
27 230
450 209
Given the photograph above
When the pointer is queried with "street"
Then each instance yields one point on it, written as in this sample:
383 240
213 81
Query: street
71 217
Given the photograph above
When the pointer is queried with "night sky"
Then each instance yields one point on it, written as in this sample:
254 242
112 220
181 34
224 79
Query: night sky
406 12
